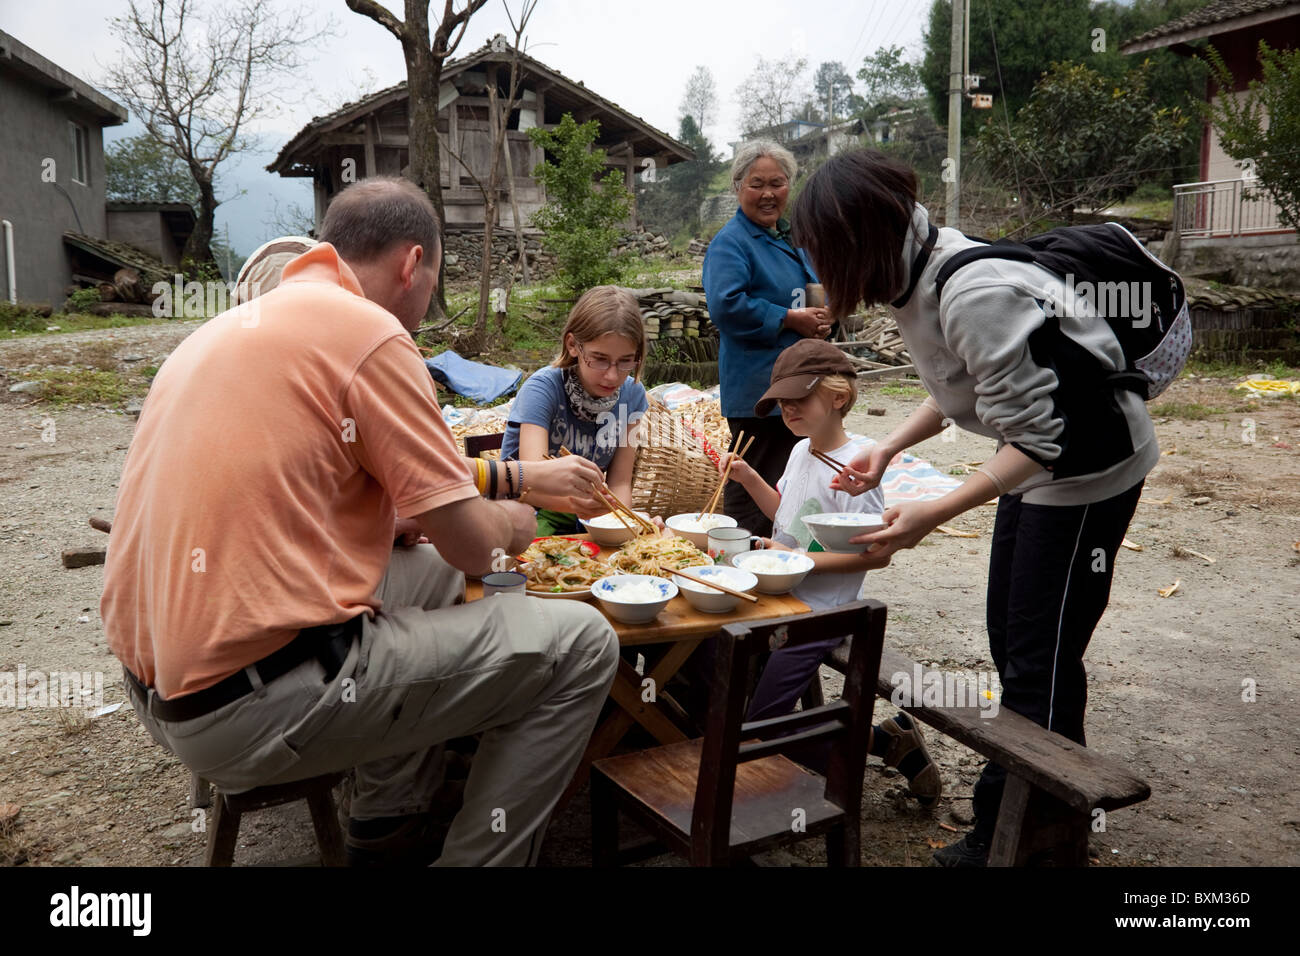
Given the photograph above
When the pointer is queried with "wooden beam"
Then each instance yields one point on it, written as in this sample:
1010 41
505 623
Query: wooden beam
370 133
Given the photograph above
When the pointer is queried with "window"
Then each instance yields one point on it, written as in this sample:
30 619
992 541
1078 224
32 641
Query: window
80 154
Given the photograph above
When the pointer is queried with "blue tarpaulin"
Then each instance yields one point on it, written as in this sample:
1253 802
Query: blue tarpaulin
476 381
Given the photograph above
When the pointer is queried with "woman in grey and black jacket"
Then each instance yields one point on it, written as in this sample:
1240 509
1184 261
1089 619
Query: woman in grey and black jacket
1071 457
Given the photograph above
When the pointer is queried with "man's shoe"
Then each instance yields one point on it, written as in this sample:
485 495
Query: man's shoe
970 850
907 752
414 840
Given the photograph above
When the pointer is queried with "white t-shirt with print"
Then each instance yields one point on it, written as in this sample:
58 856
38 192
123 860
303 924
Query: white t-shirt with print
804 488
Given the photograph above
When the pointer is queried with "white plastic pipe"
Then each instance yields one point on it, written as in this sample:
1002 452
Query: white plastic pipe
9 260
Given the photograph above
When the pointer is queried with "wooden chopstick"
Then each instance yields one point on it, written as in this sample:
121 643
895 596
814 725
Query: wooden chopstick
715 584
726 475
825 459
616 504
722 478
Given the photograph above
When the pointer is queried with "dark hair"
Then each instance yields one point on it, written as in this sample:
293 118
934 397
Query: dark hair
366 218
852 217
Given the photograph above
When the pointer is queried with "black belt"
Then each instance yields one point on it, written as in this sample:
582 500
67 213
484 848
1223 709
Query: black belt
328 643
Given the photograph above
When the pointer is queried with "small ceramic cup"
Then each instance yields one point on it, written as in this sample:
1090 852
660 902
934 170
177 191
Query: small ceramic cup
724 542
504 582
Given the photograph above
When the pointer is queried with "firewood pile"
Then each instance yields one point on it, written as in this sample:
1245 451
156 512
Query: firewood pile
697 248
877 333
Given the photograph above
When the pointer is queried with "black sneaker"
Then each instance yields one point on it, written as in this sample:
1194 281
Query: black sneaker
414 840
971 850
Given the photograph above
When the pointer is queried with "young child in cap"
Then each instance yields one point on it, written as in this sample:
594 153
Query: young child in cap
816 386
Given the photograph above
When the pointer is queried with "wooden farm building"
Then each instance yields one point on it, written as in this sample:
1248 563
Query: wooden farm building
373 134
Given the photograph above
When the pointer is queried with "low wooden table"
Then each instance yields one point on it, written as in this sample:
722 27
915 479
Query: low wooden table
681 626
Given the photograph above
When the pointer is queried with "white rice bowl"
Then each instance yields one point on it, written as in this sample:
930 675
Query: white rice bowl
833 529
633 598
704 598
608 531
776 571
696 531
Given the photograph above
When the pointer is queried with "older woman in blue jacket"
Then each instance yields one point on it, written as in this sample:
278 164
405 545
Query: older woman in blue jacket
755 282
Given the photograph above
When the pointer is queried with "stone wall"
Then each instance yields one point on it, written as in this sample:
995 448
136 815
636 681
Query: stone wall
718 208
1260 261
463 253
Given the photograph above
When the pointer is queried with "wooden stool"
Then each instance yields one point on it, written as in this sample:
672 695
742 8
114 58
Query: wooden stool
223 831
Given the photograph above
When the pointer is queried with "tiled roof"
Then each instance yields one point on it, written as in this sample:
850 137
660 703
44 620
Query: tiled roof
452 67
1217 11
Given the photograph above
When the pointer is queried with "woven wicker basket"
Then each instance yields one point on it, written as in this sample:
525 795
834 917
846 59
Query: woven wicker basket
672 474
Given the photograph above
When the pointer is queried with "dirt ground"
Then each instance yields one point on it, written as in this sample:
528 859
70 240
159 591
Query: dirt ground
1166 674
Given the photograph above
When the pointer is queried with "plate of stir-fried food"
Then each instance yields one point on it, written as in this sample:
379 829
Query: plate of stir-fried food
562 568
657 555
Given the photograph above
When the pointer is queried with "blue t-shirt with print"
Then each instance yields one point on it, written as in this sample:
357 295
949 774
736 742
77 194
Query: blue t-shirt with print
541 401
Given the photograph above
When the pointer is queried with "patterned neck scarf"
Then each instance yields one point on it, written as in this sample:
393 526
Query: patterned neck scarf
781 231
582 403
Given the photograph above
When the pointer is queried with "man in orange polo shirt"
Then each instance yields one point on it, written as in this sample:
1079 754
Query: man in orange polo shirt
268 629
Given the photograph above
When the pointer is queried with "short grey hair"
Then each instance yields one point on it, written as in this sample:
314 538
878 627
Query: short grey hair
749 153
369 216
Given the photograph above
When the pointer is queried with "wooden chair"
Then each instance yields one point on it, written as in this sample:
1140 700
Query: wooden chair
228 808
717 801
475 445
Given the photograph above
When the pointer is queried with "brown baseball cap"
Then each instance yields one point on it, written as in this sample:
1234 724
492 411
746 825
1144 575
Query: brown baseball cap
799 368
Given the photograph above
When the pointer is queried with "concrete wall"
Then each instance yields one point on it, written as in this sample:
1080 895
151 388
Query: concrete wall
144 230
33 128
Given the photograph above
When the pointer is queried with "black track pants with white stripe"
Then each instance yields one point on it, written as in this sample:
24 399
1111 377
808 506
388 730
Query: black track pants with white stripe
1049 582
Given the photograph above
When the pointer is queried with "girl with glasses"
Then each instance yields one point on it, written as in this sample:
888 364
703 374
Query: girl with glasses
589 400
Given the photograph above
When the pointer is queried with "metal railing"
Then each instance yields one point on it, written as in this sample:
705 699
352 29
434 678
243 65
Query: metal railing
1223 207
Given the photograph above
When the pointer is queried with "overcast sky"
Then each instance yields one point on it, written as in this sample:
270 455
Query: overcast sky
638 54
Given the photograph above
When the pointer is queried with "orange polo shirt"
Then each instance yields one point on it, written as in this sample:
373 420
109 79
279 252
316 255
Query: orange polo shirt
258 494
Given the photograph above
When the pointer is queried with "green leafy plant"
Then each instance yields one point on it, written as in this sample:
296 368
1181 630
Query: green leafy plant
82 299
1262 127
1082 140
586 204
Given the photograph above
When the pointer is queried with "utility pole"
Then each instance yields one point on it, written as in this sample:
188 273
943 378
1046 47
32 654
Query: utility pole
956 87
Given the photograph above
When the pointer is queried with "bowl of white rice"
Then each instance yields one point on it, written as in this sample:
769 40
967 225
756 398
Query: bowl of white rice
833 529
704 598
776 571
634 598
695 527
608 531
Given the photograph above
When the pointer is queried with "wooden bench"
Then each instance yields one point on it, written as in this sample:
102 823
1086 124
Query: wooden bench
1053 787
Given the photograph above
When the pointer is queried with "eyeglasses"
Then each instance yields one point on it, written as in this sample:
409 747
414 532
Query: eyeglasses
603 364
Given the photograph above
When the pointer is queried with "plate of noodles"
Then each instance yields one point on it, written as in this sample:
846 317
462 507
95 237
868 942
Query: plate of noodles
562 568
658 555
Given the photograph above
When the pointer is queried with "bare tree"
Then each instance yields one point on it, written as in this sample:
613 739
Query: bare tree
197 81
425 56
700 101
772 93
291 219
501 167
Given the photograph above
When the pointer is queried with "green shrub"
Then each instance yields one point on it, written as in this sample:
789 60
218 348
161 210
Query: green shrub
586 205
81 300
